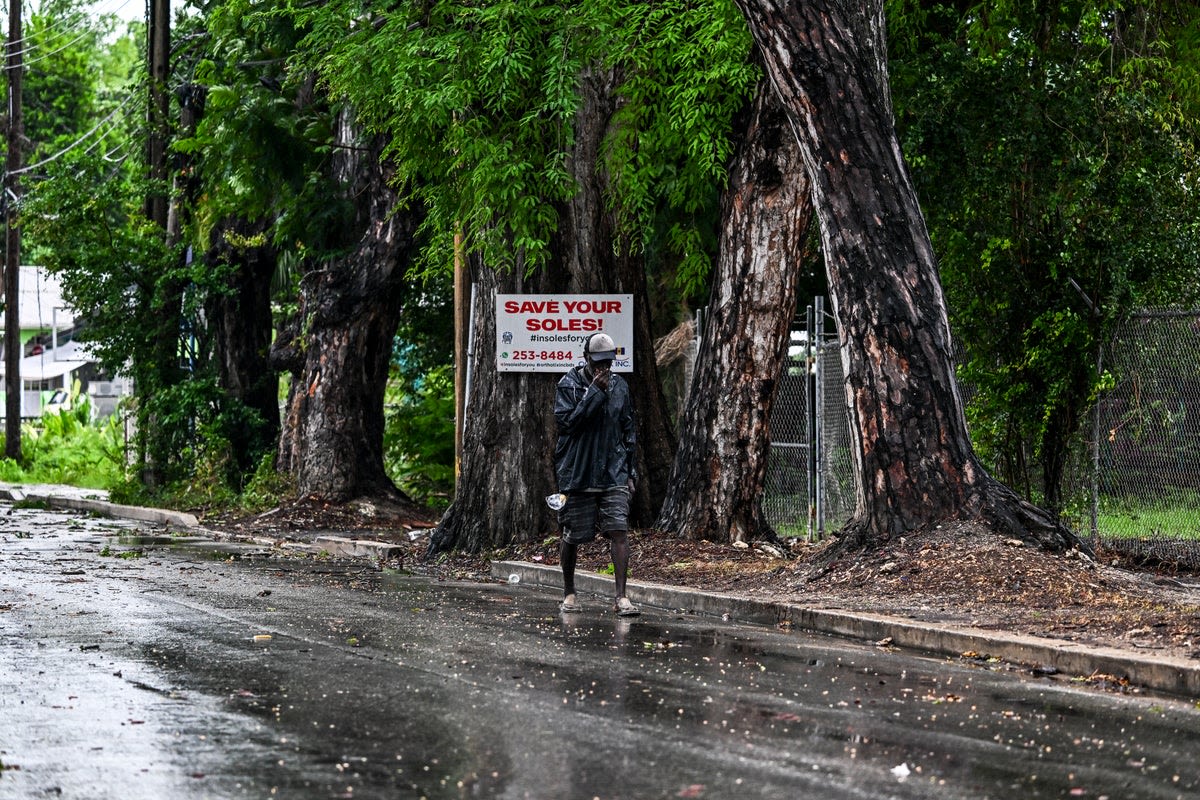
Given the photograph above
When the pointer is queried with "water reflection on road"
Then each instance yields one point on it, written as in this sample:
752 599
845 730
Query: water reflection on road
187 671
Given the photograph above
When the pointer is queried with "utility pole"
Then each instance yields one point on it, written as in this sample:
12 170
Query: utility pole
158 47
462 321
12 239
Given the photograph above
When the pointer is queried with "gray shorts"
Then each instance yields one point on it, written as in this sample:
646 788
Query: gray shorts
590 514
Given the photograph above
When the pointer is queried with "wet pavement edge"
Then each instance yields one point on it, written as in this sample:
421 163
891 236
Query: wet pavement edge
1166 674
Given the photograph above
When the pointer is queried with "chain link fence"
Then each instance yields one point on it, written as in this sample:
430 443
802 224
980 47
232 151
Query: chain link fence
809 487
1136 482
1133 485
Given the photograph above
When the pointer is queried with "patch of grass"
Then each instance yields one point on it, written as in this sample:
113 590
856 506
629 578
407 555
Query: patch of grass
1151 522
792 530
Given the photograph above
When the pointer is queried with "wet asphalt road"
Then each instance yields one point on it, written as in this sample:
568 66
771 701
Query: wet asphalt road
142 668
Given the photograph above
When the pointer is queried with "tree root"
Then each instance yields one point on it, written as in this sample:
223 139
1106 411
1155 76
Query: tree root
994 505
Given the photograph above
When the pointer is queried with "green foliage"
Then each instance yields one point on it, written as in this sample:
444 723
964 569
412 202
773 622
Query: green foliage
1078 204
261 147
65 448
686 75
266 488
113 264
118 272
196 421
477 102
76 92
116 268
419 435
59 91
480 102
418 439
207 488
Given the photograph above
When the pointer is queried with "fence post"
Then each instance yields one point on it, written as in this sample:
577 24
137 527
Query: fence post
1095 510
819 387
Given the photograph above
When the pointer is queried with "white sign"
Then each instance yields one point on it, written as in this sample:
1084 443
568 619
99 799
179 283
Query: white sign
546 332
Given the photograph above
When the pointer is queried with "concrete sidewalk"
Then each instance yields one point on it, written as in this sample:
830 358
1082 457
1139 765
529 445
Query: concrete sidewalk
1174 675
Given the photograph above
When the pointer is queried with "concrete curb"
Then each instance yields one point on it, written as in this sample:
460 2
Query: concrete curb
357 548
1174 675
334 545
157 516
105 508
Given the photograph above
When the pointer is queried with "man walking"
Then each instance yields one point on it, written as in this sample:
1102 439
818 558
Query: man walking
594 462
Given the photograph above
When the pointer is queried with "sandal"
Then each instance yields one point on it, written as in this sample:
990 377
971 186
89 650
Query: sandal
625 608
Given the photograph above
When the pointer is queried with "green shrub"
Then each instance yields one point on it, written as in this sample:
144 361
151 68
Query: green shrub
64 447
418 436
266 487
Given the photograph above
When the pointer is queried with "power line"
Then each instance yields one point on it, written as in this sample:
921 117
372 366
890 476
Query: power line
113 11
29 44
78 141
44 56
59 29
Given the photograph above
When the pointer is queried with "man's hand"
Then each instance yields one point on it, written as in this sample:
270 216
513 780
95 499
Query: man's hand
603 373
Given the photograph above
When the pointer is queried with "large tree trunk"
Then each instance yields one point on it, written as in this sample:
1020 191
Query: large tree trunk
507 465
715 489
350 307
242 326
917 468
599 260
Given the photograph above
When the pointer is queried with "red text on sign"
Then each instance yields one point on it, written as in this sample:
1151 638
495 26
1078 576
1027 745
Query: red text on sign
563 324
534 307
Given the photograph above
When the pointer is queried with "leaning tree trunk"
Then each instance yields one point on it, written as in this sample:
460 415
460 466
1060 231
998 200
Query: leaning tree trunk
715 489
827 60
242 324
332 441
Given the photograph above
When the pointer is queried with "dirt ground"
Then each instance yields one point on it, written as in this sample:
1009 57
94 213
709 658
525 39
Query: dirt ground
963 575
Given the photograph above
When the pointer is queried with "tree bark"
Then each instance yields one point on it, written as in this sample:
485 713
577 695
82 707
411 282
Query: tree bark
242 326
339 348
507 465
827 61
715 489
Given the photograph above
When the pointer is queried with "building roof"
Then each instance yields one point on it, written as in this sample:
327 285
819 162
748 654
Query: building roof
41 305
53 362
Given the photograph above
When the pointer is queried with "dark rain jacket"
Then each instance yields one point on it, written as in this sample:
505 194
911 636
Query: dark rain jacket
596 433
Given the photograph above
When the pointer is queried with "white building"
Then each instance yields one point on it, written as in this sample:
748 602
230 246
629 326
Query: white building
51 359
